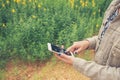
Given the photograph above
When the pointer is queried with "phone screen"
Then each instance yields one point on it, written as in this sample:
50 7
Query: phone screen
57 49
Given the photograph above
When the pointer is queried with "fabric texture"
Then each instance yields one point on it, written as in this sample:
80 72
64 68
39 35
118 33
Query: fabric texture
106 64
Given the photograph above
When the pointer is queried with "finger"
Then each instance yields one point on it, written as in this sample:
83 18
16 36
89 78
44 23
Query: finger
71 49
75 43
66 57
56 55
78 50
61 58
62 46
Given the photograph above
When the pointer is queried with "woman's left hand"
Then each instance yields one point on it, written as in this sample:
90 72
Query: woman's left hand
65 58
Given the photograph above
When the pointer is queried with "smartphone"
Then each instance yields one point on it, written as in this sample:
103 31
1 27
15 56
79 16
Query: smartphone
55 49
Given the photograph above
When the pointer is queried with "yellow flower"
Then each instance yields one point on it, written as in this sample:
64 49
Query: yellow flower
99 10
76 6
83 4
72 3
30 0
97 25
24 3
33 16
94 13
81 1
3 5
39 6
13 10
17 1
45 9
7 1
93 3
35 1
3 25
86 3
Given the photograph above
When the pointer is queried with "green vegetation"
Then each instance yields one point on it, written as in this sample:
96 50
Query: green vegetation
26 26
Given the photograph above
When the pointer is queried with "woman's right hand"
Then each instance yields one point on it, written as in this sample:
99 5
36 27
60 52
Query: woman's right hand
79 46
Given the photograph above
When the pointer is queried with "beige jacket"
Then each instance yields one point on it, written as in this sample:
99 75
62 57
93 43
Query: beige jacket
106 65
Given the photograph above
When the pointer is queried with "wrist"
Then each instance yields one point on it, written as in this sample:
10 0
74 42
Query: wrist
86 44
72 60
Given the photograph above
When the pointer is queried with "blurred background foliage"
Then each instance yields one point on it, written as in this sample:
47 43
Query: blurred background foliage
26 26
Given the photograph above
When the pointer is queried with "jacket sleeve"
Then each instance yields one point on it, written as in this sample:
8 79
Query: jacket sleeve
93 42
96 71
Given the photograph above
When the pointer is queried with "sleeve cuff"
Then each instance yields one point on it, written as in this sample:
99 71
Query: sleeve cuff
78 64
92 41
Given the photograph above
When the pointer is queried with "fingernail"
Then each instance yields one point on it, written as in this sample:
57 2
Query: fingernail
66 52
59 54
75 52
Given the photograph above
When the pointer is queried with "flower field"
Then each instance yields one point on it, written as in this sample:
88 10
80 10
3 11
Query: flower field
26 26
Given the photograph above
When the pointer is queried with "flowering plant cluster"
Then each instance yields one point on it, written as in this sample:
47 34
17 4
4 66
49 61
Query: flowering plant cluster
26 26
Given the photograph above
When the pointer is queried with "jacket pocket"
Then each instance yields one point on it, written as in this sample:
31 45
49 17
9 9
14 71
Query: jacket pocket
115 55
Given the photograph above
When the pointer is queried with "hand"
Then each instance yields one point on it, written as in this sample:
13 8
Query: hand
79 46
65 58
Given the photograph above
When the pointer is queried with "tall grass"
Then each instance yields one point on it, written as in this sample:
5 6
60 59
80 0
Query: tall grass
27 25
